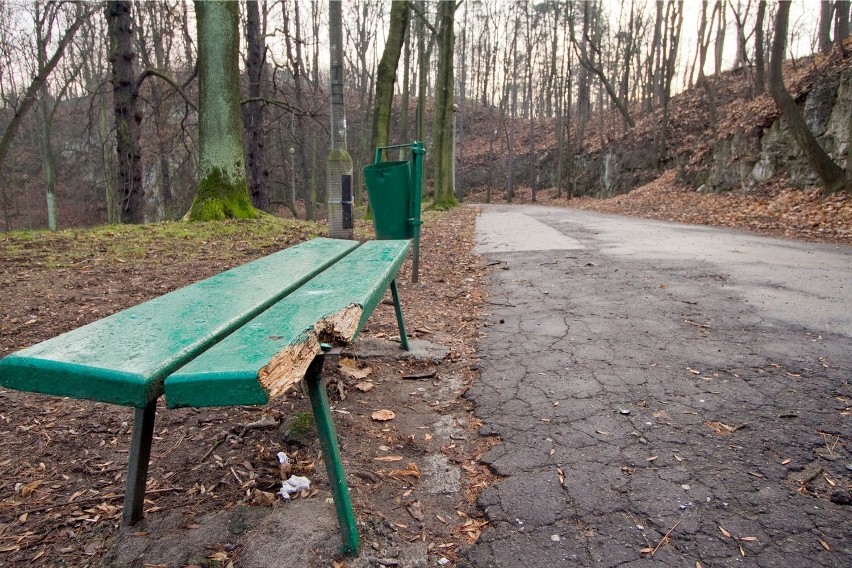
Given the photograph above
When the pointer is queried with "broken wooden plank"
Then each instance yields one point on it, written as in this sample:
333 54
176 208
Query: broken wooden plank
272 352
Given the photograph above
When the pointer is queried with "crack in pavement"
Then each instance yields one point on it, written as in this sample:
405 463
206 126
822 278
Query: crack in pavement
634 395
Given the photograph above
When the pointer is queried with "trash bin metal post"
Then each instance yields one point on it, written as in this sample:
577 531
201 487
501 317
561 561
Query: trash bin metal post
417 151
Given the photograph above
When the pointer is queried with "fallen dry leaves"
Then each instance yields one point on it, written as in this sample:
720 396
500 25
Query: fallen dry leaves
383 415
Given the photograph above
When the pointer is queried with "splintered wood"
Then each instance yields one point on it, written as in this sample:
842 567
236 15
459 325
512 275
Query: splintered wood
289 366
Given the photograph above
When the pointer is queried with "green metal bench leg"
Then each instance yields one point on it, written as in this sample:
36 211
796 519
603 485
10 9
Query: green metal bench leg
403 338
331 456
137 467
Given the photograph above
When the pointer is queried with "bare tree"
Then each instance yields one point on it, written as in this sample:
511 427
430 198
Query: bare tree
759 48
841 22
252 111
128 117
833 178
591 59
442 132
826 10
387 74
703 47
30 95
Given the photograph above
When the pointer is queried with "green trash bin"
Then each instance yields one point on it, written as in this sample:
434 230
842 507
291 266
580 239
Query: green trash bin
389 192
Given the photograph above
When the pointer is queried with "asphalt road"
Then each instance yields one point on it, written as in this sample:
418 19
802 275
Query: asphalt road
665 394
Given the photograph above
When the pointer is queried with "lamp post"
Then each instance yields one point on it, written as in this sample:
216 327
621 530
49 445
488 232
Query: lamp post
293 179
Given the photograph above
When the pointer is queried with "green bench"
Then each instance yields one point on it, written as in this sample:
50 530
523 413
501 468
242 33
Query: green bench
238 338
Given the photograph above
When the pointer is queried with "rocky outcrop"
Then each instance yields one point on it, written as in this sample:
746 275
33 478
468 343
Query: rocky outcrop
743 160
747 159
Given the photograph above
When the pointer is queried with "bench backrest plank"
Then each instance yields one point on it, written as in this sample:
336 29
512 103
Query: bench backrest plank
124 358
273 351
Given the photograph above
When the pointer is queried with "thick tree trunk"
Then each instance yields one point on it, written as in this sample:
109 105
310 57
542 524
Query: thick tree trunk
833 178
443 124
222 187
386 75
128 118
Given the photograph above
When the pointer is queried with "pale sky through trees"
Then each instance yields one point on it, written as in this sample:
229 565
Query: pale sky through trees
16 30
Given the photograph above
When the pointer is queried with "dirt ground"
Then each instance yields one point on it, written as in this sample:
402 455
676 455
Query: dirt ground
63 461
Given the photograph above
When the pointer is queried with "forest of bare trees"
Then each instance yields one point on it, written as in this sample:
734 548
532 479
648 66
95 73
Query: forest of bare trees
101 102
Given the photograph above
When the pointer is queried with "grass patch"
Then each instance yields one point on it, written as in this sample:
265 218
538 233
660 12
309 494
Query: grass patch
131 243
162 242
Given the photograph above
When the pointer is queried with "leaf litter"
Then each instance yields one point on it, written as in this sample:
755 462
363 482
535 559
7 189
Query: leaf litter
215 455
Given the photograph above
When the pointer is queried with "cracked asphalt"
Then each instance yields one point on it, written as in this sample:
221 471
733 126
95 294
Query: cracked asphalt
665 394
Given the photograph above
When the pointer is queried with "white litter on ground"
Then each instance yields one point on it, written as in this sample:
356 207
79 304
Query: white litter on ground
294 484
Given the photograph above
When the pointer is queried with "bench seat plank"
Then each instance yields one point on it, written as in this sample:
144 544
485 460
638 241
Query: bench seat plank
124 358
272 352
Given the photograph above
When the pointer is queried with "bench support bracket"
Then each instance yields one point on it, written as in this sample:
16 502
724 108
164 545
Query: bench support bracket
137 467
331 454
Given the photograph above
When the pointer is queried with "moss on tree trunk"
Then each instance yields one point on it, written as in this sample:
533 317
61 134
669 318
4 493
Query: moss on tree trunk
222 187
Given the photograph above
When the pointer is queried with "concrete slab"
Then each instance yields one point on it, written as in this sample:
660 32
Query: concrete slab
386 350
509 231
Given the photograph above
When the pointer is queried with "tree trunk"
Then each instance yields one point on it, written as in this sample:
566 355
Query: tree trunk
339 162
222 186
703 47
833 178
759 48
314 181
653 60
406 90
458 158
47 161
513 86
841 22
673 23
443 125
128 118
422 69
826 10
293 41
719 44
42 21
386 75
531 41
252 112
